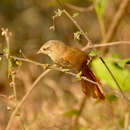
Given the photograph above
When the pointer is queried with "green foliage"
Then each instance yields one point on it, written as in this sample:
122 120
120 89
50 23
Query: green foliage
75 14
12 63
121 75
111 98
122 63
6 51
100 6
116 56
72 113
93 53
121 122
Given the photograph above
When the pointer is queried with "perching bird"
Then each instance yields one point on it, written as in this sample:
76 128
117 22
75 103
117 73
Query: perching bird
70 57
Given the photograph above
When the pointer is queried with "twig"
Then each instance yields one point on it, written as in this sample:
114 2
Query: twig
116 20
82 77
75 23
7 34
117 84
80 9
55 68
25 97
107 44
78 26
27 60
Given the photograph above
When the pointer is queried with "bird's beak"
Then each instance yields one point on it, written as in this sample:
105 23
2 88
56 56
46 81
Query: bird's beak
39 52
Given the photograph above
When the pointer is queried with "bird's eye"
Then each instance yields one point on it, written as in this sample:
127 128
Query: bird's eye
44 49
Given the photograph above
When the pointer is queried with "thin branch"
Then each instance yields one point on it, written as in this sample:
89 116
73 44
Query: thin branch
78 26
116 20
80 9
53 67
24 98
106 44
7 34
117 84
82 77
75 23
27 60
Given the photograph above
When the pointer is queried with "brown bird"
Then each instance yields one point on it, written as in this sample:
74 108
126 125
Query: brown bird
70 57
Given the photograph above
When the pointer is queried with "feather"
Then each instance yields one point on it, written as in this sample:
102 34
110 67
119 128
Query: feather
89 88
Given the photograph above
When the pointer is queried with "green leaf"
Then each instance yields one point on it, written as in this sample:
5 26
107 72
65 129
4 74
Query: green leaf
6 51
121 122
93 53
72 113
111 98
121 75
116 56
122 63
75 14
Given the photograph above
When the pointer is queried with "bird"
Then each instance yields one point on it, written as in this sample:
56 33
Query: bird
73 58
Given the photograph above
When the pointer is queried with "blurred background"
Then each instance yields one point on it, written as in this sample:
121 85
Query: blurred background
55 103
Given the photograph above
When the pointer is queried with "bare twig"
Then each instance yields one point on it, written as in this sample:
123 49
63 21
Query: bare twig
53 67
116 20
78 26
27 60
80 9
107 44
24 98
7 34
74 22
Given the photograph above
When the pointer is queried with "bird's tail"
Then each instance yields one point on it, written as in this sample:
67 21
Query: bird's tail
91 89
